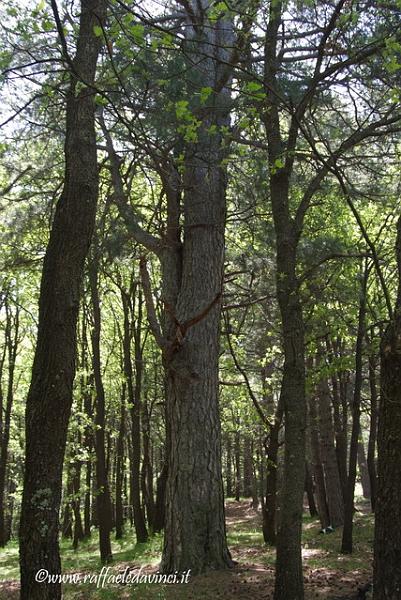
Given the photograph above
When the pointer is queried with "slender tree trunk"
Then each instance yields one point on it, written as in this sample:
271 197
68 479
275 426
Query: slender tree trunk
134 389
160 508
66 528
289 578
229 467
270 504
88 445
346 543
120 470
329 459
12 487
147 468
372 432
363 470
340 420
318 472
237 456
12 332
309 488
247 466
78 533
103 502
54 363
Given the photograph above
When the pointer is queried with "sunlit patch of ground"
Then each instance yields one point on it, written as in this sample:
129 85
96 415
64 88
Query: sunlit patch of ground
328 574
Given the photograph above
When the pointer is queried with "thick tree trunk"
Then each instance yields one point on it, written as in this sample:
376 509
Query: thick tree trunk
346 543
387 546
387 551
195 535
103 502
50 395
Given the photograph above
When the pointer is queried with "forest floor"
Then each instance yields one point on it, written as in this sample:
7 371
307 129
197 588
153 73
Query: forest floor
328 574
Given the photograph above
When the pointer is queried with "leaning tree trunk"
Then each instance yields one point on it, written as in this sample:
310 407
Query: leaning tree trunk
50 395
387 546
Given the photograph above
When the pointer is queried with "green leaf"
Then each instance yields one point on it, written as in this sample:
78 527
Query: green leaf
204 94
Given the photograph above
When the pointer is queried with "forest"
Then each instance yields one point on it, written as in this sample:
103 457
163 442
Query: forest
200 299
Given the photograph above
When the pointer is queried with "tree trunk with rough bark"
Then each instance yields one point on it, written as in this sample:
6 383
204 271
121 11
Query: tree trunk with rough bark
387 545
50 395
195 534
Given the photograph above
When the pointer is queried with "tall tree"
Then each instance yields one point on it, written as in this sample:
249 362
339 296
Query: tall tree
50 395
103 501
11 348
387 544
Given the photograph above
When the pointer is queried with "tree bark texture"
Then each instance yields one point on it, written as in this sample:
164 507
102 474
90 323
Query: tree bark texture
387 545
50 394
